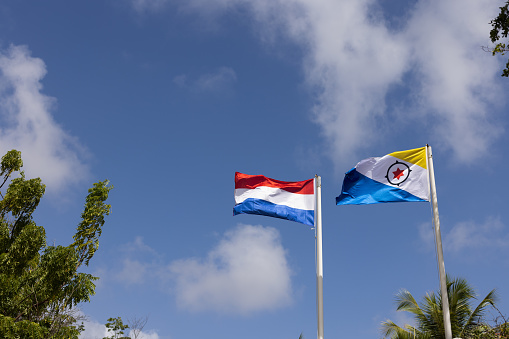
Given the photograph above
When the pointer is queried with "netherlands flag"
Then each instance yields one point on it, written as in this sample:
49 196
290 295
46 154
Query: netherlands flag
257 194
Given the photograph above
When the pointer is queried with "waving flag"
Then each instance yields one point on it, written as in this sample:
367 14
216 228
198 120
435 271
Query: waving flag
257 194
399 176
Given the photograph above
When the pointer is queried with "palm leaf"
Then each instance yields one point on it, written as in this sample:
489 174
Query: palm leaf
389 328
490 299
406 302
429 315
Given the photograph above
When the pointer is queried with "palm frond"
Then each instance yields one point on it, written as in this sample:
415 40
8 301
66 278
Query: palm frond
406 302
432 319
393 331
490 299
460 293
429 314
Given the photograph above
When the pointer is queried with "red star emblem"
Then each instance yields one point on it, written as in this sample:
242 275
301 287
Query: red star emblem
398 173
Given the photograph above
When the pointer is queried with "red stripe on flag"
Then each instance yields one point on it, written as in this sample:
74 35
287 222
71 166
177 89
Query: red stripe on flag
252 181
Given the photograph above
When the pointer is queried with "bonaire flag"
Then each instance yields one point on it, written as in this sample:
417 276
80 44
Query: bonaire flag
257 194
399 176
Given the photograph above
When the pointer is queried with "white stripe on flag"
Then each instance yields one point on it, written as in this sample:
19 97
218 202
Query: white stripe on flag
376 169
276 196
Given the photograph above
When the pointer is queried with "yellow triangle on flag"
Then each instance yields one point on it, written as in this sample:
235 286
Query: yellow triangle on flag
415 156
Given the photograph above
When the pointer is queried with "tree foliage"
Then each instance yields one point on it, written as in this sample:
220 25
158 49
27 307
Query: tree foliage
116 328
500 30
41 284
466 321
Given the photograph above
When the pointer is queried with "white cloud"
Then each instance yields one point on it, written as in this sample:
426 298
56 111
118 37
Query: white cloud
456 77
27 125
218 80
468 236
246 272
353 59
93 330
139 246
140 263
132 272
352 62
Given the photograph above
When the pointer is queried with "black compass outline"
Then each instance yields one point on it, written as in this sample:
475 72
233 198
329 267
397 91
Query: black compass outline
389 169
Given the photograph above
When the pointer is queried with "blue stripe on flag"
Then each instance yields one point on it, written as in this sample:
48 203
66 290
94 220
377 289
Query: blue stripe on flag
262 207
361 190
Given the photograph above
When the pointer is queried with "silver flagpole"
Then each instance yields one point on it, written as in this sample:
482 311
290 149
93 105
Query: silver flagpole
440 254
319 261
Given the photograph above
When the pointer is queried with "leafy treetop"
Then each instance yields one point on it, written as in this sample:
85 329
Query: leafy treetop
40 284
500 29
467 321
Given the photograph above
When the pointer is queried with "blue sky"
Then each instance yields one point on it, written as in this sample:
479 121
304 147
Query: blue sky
168 98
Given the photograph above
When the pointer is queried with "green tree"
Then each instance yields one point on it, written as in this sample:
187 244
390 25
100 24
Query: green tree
466 321
116 329
40 285
500 29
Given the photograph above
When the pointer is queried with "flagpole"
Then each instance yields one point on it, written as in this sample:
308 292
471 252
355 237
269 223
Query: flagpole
440 254
319 261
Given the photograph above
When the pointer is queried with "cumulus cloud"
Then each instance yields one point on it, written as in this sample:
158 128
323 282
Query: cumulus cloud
132 272
354 59
247 271
470 236
27 125
455 77
93 330
218 80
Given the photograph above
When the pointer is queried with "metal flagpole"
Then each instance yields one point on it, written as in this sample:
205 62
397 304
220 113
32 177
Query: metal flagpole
319 262
440 254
